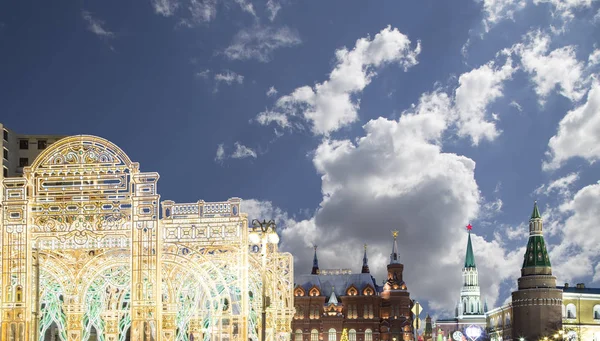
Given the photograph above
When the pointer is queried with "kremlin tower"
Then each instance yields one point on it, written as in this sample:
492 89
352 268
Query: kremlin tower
537 304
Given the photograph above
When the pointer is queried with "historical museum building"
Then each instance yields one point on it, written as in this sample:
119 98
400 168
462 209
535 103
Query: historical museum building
470 310
334 304
90 253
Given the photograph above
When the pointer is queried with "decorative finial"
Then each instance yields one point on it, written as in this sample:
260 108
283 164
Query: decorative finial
469 227
395 234
315 247
365 247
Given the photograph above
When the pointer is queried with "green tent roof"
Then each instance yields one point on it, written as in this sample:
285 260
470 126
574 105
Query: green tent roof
536 254
469 258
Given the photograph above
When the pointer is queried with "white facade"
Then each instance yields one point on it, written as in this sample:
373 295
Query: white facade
470 295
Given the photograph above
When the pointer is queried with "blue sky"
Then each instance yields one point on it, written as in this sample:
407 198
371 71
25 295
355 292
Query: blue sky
342 121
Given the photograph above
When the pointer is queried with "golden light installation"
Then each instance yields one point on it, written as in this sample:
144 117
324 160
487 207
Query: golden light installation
86 256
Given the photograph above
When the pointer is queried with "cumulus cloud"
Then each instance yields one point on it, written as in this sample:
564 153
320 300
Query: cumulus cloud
396 177
551 69
577 134
258 42
561 186
96 26
580 243
565 9
330 105
477 89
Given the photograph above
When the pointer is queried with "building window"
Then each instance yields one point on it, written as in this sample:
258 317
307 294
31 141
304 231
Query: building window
5 135
23 162
23 144
332 335
42 144
368 335
571 311
597 312
352 335
5 154
298 336
314 335
5 172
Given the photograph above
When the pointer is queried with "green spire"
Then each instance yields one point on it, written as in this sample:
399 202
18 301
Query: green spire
536 212
469 258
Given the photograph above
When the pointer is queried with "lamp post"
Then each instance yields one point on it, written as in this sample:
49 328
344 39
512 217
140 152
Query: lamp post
264 233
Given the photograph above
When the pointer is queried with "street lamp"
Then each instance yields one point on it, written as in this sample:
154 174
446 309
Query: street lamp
263 233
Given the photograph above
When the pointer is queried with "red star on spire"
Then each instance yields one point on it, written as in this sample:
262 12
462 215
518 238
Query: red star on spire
469 227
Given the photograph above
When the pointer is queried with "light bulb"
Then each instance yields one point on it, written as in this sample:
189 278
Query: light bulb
253 237
273 238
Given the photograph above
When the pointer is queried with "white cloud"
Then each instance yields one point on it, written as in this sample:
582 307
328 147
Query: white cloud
550 69
241 152
594 58
96 26
396 177
498 10
220 153
203 74
477 89
329 105
575 257
566 8
259 42
228 77
201 11
273 8
578 133
246 6
516 105
561 186
271 92
165 7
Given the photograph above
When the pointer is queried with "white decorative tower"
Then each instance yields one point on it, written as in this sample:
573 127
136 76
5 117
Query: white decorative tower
470 297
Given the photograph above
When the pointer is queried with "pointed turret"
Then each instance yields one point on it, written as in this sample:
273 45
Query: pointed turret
470 257
365 266
394 259
536 254
428 328
315 268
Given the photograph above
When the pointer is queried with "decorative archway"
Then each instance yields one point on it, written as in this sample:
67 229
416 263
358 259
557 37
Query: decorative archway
89 253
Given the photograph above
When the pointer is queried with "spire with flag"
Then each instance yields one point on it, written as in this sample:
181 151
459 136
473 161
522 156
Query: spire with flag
394 256
365 265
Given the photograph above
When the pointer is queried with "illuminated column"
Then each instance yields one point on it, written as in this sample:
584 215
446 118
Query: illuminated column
111 325
146 249
169 326
15 262
74 314
196 328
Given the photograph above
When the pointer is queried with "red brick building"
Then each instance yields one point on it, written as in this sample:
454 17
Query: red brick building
329 301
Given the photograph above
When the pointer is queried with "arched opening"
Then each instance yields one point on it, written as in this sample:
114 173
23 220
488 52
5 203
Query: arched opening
314 335
368 335
571 311
352 335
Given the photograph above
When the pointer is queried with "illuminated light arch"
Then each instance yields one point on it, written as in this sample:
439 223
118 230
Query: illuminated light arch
110 263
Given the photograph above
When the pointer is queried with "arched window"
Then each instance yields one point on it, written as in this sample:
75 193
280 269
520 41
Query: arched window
507 320
314 335
597 312
332 335
298 336
352 335
564 311
368 335
472 308
464 306
571 311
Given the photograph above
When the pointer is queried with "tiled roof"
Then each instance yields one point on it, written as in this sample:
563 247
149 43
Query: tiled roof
339 282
